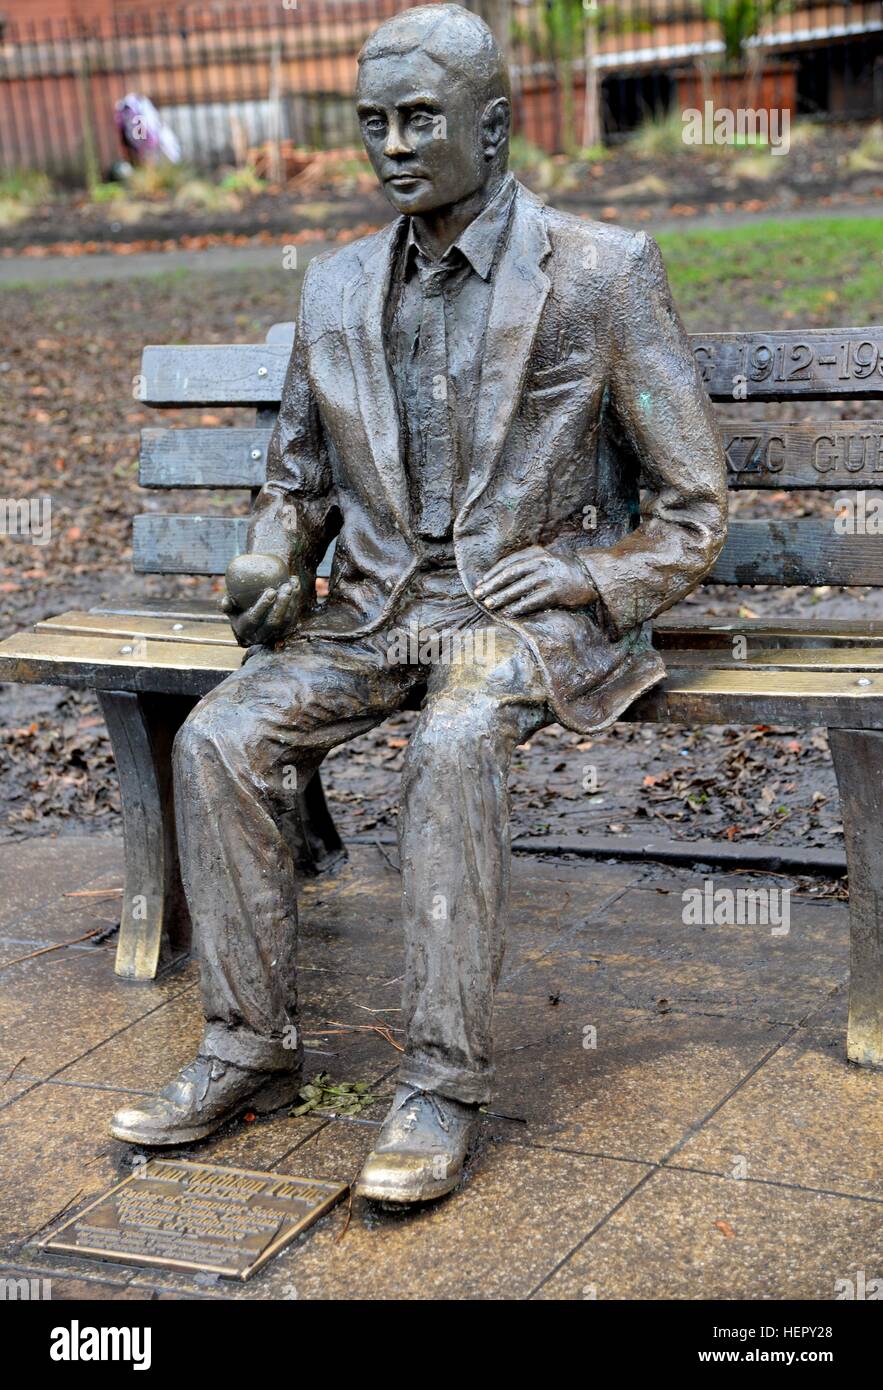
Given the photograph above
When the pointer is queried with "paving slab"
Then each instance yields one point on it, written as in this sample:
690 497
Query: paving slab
643 1082
81 924
14 1087
55 1142
833 1015
56 1007
639 953
641 1063
144 1056
649 922
808 1117
359 921
37 873
691 1236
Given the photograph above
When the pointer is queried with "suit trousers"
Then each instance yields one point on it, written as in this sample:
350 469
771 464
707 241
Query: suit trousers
247 746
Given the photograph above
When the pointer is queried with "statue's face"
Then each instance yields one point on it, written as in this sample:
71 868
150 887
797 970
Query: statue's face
421 125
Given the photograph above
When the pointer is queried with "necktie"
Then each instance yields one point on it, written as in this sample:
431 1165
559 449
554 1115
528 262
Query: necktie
439 456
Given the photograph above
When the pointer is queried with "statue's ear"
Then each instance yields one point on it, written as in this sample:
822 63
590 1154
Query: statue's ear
495 126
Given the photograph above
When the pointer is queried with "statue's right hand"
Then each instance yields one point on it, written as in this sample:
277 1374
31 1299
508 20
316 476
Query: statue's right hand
267 620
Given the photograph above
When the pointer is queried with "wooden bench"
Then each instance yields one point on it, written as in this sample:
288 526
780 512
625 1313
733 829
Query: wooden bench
150 664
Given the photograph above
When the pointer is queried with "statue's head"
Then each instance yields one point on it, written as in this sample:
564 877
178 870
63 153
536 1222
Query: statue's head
433 104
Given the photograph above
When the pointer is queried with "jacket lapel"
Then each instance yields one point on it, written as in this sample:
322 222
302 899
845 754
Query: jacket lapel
519 294
363 305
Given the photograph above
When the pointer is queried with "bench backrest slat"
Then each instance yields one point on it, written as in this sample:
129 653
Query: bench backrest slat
231 374
805 551
811 365
821 454
191 544
832 454
204 457
186 544
819 364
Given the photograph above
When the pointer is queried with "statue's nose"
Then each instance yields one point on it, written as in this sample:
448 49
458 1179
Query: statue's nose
396 143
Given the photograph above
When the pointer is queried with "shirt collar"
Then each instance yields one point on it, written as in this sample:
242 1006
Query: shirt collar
479 241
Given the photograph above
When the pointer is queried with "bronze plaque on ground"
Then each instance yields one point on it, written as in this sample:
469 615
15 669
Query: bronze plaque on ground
185 1215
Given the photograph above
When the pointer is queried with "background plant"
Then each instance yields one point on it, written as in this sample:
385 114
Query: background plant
740 21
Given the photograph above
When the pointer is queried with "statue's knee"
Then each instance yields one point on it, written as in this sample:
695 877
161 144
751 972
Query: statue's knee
188 740
449 733
208 730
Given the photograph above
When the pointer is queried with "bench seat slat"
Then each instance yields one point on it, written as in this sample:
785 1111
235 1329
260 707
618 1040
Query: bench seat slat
101 651
808 644
730 696
670 629
175 609
218 633
793 364
677 630
709 695
685 653
858 659
99 663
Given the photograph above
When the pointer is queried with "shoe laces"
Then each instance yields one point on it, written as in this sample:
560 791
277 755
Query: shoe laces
201 1072
435 1104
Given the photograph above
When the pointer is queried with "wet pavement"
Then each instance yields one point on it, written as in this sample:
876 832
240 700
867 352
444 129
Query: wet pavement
674 1116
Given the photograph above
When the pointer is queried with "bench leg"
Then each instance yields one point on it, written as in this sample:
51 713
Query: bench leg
858 762
155 924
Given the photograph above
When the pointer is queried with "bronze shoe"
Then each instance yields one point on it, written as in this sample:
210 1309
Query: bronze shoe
202 1096
421 1149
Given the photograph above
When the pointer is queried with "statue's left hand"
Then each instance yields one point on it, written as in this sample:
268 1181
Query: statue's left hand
534 579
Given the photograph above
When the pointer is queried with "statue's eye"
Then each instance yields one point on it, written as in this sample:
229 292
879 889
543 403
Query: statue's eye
375 125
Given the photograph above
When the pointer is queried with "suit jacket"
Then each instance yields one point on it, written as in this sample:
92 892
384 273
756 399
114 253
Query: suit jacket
589 393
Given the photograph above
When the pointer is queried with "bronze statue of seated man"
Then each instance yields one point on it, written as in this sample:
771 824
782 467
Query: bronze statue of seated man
477 396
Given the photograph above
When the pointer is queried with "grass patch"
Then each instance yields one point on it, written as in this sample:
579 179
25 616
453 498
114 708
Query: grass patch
20 192
25 186
243 181
812 271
